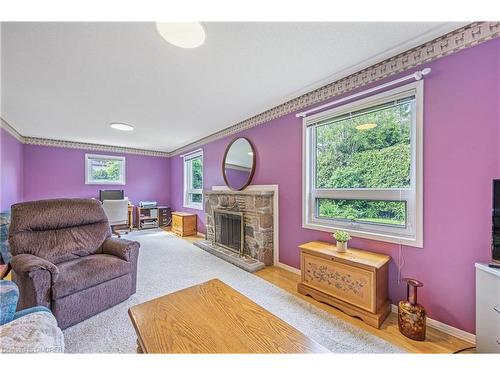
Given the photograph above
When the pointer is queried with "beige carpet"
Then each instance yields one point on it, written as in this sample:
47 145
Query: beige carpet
168 263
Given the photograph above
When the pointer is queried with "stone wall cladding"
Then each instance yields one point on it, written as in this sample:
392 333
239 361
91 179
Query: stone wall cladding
257 208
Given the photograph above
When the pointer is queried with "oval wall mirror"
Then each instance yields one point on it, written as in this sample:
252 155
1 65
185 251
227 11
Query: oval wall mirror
238 164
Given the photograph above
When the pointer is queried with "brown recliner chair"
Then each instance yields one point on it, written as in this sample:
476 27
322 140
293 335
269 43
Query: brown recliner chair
65 259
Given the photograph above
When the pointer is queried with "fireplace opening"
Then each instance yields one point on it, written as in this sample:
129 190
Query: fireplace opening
229 230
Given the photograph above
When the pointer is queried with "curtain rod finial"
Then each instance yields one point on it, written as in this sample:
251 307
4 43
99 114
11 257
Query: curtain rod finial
421 73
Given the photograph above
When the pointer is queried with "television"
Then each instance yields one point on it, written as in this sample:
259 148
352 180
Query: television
109 195
495 245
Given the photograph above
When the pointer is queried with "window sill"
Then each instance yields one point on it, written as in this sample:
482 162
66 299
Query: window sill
194 207
414 242
104 183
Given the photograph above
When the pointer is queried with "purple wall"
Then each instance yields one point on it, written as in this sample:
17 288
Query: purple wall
11 168
461 143
55 172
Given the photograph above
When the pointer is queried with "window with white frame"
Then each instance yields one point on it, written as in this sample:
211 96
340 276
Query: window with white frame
193 180
362 168
104 170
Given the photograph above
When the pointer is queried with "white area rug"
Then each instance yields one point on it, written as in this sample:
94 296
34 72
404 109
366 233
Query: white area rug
168 263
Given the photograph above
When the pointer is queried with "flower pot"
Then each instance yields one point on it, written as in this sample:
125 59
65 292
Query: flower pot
341 247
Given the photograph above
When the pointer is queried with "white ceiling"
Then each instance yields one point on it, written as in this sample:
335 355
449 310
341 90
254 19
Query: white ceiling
67 81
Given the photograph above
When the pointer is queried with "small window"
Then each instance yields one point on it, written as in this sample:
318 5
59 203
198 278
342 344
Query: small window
193 180
363 167
104 170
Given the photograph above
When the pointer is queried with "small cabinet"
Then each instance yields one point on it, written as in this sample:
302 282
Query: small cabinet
354 281
487 309
164 216
184 224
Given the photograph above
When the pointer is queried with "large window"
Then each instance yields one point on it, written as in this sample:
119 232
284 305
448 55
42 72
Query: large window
104 170
363 167
193 180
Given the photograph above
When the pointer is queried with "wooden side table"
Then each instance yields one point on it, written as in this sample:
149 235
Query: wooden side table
184 224
130 216
355 281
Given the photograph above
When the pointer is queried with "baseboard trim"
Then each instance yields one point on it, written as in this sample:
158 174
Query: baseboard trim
287 267
440 326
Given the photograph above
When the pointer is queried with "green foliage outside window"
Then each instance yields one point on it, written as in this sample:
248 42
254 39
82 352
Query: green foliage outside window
196 198
378 212
197 173
106 170
375 158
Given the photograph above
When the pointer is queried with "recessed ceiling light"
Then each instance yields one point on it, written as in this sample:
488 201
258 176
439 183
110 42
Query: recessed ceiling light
182 34
120 126
366 126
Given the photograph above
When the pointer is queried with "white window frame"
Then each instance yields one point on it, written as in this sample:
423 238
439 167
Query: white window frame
412 234
187 180
88 174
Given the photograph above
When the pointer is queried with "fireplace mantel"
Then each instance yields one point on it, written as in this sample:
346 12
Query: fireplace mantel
243 192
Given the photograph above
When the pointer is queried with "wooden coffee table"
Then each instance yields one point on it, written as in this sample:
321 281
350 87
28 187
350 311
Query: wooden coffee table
214 318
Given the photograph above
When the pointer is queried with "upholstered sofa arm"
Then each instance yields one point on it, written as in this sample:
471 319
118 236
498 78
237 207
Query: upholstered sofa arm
121 248
26 264
35 277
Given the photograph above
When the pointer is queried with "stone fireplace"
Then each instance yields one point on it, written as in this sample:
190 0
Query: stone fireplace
240 218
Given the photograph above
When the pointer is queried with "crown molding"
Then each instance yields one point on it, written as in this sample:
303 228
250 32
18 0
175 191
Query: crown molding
78 145
92 147
464 37
13 132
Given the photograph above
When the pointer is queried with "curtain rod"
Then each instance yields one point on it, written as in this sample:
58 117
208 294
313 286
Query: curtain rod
417 76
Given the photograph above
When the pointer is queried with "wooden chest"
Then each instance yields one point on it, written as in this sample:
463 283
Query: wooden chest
184 224
354 282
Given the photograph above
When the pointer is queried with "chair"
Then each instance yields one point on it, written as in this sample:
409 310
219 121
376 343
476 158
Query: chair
32 330
4 244
65 259
117 213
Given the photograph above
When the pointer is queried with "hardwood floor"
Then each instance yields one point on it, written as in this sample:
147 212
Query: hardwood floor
436 341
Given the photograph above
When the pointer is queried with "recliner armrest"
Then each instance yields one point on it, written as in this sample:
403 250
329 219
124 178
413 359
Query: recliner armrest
120 248
25 264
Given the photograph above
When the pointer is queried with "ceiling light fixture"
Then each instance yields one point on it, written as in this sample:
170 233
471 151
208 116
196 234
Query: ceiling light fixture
182 34
120 126
366 126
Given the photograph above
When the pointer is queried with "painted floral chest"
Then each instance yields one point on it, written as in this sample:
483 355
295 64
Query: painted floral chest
354 282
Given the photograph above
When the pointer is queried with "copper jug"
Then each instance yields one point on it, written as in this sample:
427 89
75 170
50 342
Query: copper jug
411 315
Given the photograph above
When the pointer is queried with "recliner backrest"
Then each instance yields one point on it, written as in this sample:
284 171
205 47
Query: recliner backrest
58 229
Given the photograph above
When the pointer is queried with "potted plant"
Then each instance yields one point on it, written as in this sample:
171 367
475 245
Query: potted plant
341 238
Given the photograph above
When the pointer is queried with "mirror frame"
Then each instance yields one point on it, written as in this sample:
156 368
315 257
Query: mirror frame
254 161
